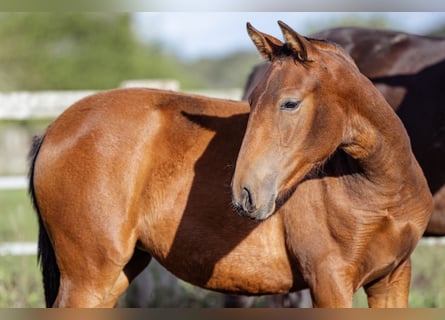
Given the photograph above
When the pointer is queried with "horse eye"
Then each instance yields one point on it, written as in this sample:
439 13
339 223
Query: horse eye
290 105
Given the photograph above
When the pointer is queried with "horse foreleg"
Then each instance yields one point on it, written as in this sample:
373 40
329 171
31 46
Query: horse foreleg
331 296
392 290
329 287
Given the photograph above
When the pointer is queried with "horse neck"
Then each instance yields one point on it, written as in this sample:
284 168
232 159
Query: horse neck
377 139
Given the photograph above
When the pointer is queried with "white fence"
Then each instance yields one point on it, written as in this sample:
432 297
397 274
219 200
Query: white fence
43 104
17 107
13 183
18 248
49 104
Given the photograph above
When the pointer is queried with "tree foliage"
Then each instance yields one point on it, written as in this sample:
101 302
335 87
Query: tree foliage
75 51
373 21
66 51
227 72
438 32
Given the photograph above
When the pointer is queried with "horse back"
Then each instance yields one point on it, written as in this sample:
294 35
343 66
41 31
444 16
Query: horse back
108 141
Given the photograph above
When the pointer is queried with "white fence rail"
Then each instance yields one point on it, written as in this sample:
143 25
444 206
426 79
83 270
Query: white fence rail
22 105
13 183
15 139
42 104
18 248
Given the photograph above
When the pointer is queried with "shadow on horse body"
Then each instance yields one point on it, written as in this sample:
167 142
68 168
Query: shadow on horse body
130 174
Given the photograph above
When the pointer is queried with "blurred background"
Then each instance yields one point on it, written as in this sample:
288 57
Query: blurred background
48 60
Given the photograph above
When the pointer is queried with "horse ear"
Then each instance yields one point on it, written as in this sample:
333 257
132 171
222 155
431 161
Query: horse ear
300 46
267 45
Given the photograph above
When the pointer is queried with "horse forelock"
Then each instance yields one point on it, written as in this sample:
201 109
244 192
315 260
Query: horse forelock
285 51
320 44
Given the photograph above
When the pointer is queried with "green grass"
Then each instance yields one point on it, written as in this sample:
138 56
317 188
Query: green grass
20 280
428 277
18 222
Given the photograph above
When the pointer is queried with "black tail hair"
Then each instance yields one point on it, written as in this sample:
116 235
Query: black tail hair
45 254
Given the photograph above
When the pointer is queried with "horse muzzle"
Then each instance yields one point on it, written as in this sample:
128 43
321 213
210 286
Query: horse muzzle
248 204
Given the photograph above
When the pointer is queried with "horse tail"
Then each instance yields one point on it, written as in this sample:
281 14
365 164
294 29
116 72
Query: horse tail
45 254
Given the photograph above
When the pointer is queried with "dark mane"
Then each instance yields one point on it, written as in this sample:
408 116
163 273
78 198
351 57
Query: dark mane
323 44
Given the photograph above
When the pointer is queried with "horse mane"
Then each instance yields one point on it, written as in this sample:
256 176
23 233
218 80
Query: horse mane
328 45
323 44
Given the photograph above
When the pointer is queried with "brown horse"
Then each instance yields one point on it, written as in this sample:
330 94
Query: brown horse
323 146
130 174
409 70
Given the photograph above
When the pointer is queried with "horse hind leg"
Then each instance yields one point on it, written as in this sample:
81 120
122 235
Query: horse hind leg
98 284
134 267
392 290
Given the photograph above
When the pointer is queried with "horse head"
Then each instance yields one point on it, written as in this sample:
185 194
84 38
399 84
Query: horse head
297 118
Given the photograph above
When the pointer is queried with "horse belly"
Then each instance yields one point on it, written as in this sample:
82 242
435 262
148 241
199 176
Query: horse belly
252 275
236 274
226 253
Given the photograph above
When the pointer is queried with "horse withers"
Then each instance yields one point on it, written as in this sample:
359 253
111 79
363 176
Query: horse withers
130 174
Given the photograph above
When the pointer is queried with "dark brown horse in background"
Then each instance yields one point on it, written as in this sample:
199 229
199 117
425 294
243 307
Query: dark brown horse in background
409 70
126 175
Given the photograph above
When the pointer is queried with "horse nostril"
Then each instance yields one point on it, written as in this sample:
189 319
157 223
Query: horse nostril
247 200
245 204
